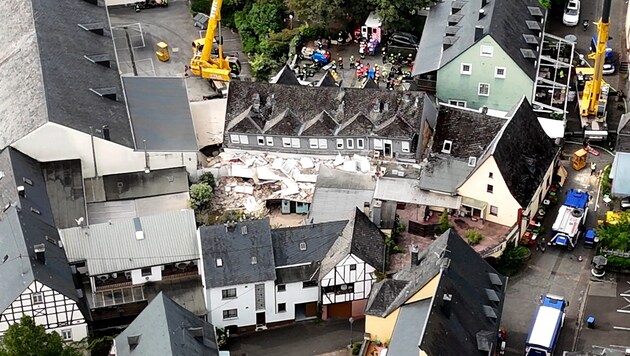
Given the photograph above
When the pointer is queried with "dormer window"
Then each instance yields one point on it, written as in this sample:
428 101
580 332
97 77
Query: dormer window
254 260
302 246
219 262
472 161
447 146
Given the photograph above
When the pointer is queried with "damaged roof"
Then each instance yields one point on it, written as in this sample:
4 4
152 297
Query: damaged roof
59 66
306 243
257 107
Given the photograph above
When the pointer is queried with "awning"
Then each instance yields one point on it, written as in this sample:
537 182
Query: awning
562 173
474 203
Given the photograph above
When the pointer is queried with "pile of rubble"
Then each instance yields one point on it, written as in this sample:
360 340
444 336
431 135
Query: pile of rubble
246 180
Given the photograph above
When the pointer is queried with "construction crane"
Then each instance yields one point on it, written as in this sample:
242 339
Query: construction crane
595 93
203 63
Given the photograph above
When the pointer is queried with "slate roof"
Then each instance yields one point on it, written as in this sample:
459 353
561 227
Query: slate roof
285 76
164 328
302 273
256 107
134 185
522 163
504 21
318 239
236 250
361 238
321 125
407 329
21 229
45 77
465 277
444 174
327 80
287 123
623 134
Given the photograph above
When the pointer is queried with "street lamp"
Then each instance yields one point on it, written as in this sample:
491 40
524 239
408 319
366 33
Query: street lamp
351 320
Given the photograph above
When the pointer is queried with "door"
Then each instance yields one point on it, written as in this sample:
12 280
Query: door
260 318
340 310
388 148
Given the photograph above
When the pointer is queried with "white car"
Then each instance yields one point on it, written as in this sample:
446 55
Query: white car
571 15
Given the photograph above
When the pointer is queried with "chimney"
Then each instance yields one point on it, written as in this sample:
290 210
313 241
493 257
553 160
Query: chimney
482 13
40 252
484 110
256 103
414 255
106 133
197 333
21 191
366 208
446 305
484 3
478 33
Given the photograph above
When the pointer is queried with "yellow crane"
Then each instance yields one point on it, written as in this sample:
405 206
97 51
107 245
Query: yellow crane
595 94
203 63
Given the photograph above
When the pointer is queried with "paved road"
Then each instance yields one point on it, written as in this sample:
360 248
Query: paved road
556 271
299 339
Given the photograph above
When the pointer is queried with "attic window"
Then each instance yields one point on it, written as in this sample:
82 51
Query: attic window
533 25
27 181
535 11
244 230
472 161
97 28
109 93
490 312
1 175
495 280
302 246
219 262
36 211
254 260
446 146
528 53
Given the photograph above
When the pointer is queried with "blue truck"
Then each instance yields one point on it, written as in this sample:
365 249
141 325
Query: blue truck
610 62
567 228
545 330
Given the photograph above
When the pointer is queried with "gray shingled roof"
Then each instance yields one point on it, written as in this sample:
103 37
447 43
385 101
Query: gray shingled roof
317 239
623 134
134 185
255 107
444 173
236 246
166 328
285 76
504 20
32 225
522 164
44 76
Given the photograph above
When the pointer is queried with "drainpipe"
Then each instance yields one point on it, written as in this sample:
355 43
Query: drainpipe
93 152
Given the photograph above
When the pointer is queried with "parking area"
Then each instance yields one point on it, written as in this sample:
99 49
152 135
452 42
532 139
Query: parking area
136 35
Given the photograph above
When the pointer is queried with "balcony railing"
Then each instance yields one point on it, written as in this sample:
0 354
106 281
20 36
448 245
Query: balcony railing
118 296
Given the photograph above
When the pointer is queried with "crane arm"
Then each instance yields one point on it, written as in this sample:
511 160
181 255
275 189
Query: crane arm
213 22
600 56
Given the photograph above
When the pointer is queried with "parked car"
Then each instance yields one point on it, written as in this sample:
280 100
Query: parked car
402 39
571 15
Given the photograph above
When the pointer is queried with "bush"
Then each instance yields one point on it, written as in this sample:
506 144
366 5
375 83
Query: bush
444 223
606 182
618 262
200 6
474 237
512 260
262 65
208 178
356 347
312 32
200 196
391 246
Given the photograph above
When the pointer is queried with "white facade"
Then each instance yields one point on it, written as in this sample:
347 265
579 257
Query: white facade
49 308
294 294
111 158
138 278
351 279
245 305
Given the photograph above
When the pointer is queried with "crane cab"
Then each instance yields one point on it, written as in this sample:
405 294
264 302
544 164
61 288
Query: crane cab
235 65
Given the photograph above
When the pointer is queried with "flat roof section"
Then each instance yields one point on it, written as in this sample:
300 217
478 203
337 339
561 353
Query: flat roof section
160 113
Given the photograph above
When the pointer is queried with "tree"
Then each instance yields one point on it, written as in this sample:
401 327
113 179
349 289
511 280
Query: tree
200 196
208 178
473 236
401 15
262 65
444 224
318 12
616 235
27 339
265 18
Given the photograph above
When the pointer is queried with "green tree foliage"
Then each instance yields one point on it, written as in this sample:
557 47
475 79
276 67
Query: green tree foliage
444 224
318 12
616 236
512 259
27 339
606 181
265 17
200 196
401 15
208 178
474 237
262 65
200 6
545 3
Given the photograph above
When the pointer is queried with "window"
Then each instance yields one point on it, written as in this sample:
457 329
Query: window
145 272
286 142
494 210
269 141
484 89
323 143
282 307
302 246
230 314
37 298
446 146
282 288
244 139
490 175
66 335
261 140
340 143
472 161
219 262
350 143
312 143
466 69
309 284
405 147
360 143
254 260
295 142
353 267
490 188
378 144
499 72
487 51
234 139
228 293
459 103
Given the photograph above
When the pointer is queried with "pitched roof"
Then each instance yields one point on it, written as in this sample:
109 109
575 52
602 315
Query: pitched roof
21 229
304 244
253 105
523 164
166 238
134 185
456 22
623 134
395 127
165 327
357 125
286 123
64 184
327 80
285 76
465 278
321 125
443 173
301 273
361 238
46 77
235 245
369 83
